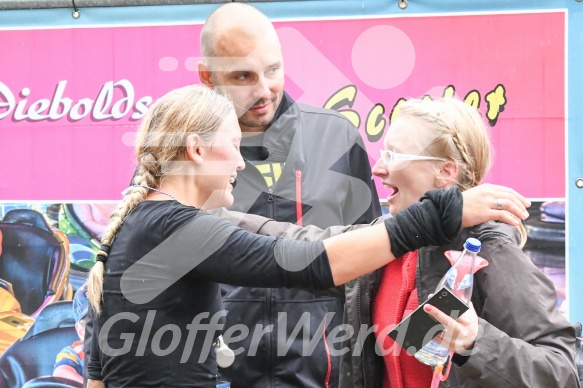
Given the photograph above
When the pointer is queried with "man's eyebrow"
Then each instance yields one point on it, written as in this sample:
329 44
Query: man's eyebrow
275 65
247 70
227 70
231 71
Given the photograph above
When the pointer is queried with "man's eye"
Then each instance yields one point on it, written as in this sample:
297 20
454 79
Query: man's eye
273 70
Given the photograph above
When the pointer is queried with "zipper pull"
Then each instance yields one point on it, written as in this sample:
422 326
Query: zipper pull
224 355
299 210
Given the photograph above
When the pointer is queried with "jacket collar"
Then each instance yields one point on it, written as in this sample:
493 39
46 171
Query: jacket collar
278 137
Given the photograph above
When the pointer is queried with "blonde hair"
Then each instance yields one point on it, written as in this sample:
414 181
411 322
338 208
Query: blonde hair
458 133
161 140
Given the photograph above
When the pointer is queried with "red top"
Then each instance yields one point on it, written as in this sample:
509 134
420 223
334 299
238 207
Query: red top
395 299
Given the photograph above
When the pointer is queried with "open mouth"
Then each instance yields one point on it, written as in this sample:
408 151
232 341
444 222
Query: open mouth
233 181
394 188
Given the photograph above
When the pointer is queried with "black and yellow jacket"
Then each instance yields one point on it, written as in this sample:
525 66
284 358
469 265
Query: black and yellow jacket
308 168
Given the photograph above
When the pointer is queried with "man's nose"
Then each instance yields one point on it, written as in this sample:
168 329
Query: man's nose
262 88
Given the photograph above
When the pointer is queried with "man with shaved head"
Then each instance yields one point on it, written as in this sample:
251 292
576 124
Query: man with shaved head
304 165
244 61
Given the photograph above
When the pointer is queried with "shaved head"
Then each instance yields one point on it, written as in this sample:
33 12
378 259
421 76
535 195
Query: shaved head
232 20
242 57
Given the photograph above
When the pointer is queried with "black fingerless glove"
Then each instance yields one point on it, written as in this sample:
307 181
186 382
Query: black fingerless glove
435 220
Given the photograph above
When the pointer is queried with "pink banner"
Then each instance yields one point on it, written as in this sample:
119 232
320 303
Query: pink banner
71 98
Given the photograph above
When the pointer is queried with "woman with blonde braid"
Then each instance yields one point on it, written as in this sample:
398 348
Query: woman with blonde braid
513 335
155 288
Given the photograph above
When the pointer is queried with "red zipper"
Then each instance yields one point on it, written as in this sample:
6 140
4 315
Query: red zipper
327 382
299 212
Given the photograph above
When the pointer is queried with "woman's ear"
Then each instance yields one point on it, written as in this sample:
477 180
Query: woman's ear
448 173
194 150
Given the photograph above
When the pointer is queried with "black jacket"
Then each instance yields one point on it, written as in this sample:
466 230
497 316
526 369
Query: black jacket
326 181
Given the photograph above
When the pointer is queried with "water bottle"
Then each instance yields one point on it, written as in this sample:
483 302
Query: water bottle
459 279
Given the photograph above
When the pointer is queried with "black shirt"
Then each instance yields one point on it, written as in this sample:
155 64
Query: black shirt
162 307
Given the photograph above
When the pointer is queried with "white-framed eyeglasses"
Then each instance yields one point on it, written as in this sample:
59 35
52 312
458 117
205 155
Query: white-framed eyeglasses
389 156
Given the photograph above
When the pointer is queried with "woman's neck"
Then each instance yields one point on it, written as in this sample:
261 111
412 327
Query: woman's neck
178 188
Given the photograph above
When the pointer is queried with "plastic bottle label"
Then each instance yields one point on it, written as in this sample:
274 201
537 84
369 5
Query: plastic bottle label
450 278
467 281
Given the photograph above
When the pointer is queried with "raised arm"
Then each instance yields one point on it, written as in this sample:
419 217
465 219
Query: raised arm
480 205
237 258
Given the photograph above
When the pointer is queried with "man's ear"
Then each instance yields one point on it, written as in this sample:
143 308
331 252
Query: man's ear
194 150
205 74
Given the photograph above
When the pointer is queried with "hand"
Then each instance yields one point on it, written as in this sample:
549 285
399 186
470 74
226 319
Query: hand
95 384
459 335
481 204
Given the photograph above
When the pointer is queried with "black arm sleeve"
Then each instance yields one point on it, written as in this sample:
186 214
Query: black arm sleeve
94 360
212 249
435 220
250 260
87 343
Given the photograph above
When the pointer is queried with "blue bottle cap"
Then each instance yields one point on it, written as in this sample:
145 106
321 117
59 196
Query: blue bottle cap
473 245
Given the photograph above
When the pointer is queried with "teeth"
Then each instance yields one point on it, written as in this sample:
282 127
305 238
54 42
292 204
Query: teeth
231 180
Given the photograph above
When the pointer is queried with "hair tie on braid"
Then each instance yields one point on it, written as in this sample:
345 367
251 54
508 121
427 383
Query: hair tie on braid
105 248
103 253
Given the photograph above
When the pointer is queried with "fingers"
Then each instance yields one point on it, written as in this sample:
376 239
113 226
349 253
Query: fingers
505 199
511 193
511 203
512 209
503 204
444 338
460 334
95 384
439 315
505 216
509 210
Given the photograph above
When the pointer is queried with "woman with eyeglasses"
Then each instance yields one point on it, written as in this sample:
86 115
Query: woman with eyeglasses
513 335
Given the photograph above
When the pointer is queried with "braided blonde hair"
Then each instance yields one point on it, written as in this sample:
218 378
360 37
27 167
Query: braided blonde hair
457 132
161 140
